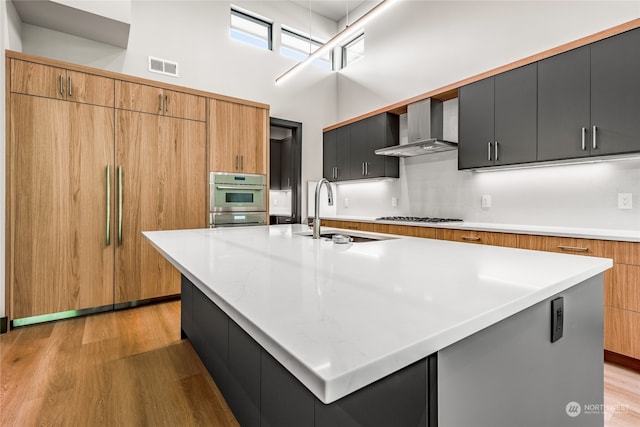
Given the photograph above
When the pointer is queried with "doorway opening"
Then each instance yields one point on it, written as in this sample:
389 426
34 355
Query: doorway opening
285 192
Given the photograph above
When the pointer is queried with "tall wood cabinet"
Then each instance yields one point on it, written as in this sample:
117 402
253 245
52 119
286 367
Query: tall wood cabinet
238 137
161 170
60 257
94 159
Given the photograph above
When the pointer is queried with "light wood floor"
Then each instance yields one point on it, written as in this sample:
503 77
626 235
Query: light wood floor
130 368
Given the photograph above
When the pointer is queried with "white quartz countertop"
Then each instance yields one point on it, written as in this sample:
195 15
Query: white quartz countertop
541 230
340 317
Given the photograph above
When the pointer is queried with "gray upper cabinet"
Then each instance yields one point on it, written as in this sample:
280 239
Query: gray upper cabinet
589 100
335 154
349 151
615 94
498 120
563 105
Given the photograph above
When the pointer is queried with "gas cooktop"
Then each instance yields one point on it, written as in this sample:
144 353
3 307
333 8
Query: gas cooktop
417 219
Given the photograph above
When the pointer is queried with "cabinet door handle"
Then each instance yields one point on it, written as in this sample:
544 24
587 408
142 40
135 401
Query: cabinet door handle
108 241
166 103
362 168
335 172
61 84
489 151
573 248
69 86
495 149
119 205
366 168
584 139
471 238
595 138
160 102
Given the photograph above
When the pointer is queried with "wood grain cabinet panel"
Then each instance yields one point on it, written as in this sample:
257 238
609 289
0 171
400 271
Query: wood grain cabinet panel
155 100
31 78
623 291
622 331
479 237
160 158
60 259
568 245
238 138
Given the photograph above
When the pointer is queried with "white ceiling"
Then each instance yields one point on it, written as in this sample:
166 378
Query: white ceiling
332 9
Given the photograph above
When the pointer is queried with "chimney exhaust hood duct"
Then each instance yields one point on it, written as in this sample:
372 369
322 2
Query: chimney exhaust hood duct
425 123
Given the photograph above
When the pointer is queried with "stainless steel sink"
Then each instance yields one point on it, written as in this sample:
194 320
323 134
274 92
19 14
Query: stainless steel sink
353 237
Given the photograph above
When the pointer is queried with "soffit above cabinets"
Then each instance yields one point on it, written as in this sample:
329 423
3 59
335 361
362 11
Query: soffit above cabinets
106 22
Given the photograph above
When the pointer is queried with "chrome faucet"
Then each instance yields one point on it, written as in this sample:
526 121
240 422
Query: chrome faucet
316 218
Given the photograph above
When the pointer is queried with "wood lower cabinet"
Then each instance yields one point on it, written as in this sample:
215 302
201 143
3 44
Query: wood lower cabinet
238 137
479 237
163 179
61 258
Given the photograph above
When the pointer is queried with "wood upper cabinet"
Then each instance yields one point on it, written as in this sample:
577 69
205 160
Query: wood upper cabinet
156 100
163 181
238 137
498 119
61 245
51 82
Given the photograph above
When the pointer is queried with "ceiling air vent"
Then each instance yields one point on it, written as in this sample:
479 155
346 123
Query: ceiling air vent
162 66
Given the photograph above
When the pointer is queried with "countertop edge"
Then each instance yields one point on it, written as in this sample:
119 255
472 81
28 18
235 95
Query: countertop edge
581 233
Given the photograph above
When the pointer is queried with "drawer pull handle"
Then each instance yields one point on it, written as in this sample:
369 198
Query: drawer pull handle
471 238
573 249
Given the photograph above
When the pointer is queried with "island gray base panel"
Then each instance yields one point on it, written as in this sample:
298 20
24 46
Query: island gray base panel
261 392
512 375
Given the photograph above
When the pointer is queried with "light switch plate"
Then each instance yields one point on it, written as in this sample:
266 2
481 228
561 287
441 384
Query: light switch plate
625 201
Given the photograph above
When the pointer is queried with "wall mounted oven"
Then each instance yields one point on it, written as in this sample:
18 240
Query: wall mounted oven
237 199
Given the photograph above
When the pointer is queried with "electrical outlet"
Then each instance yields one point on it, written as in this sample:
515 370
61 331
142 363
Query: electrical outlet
346 202
625 201
394 202
486 201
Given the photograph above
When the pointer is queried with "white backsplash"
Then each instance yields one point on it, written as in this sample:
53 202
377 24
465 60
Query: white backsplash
280 202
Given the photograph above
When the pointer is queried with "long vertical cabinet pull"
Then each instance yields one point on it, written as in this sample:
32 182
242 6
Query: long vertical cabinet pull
160 103
61 85
495 150
595 139
69 86
166 103
584 139
108 241
489 151
119 205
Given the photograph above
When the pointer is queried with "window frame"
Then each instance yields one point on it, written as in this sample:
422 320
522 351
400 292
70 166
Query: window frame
345 47
240 13
285 30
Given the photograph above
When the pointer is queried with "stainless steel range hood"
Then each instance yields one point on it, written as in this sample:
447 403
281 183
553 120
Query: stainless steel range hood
425 125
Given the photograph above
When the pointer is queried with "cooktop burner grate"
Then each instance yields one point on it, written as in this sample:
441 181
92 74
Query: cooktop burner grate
417 219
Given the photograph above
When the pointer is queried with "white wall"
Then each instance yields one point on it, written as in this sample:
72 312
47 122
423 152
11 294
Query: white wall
447 42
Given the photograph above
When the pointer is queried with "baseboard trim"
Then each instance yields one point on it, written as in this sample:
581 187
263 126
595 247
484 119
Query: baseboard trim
621 359
51 317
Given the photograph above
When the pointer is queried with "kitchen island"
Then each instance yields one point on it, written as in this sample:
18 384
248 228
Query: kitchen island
400 331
